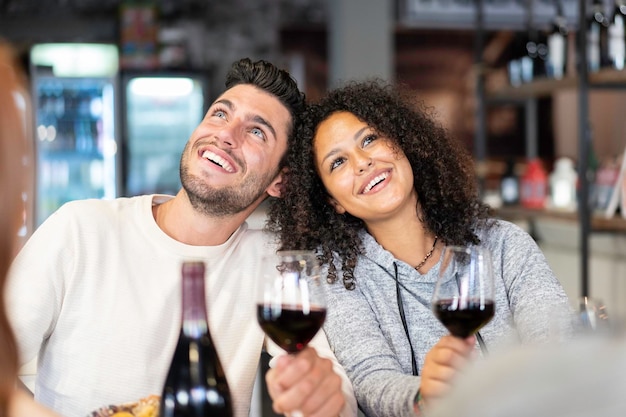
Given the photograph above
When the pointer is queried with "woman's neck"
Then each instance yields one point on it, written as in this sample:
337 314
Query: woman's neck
408 240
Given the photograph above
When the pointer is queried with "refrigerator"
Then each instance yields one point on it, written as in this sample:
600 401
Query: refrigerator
160 111
77 134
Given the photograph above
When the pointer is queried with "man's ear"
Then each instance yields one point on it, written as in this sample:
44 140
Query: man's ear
338 207
275 189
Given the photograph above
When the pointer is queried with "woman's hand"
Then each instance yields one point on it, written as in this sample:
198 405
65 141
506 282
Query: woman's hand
442 363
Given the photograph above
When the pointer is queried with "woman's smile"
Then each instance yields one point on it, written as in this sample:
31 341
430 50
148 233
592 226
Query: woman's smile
377 183
363 171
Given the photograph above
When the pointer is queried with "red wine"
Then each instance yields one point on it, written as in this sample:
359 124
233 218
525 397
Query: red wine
196 385
464 322
289 328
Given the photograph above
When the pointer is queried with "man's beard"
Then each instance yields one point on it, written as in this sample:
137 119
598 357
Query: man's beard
225 201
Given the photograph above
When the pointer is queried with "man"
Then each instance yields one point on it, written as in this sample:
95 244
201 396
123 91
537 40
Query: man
95 291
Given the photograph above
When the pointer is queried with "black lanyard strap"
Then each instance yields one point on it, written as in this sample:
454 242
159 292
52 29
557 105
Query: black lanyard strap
403 318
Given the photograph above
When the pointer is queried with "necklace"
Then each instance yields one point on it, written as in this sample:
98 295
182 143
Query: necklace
428 255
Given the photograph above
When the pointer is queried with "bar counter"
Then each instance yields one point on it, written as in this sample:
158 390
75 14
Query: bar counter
599 223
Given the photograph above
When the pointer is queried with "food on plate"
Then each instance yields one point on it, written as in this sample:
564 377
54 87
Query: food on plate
145 407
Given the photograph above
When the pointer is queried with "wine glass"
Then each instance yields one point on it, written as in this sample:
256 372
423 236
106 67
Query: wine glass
593 316
463 300
588 319
290 301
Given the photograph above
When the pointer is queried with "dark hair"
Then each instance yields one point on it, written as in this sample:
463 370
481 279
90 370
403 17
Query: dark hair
277 82
443 172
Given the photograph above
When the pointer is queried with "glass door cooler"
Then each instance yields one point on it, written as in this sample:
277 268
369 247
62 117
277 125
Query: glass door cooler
161 110
75 99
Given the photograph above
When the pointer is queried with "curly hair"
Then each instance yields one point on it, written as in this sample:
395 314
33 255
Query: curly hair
444 178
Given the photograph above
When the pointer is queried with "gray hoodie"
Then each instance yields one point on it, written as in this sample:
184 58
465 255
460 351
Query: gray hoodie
365 330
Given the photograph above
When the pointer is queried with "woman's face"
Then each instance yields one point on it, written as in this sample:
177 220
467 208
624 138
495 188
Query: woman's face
362 171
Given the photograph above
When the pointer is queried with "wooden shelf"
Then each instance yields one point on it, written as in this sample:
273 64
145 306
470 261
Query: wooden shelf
545 87
599 223
536 89
608 78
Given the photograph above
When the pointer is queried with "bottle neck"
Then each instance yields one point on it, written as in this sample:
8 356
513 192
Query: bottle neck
558 5
597 10
561 21
194 313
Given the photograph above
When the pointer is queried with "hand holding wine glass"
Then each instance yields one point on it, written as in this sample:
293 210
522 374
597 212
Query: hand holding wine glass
290 303
464 296
291 309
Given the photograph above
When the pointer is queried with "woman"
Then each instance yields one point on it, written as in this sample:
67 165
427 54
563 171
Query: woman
381 189
14 178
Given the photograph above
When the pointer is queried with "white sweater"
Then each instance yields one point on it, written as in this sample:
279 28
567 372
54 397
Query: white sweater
96 294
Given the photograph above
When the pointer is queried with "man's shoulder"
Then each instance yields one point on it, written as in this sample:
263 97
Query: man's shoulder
98 211
258 237
104 205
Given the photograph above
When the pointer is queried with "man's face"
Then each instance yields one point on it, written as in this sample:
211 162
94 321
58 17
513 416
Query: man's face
231 159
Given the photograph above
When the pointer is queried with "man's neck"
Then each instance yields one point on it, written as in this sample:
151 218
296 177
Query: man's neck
178 219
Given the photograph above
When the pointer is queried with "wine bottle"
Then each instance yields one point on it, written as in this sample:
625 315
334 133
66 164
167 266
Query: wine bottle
617 36
534 61
514 65
539 68
597 28
536 55
196 384
509 185
557 44
527 59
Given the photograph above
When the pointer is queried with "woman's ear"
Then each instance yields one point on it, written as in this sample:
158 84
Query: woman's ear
338 207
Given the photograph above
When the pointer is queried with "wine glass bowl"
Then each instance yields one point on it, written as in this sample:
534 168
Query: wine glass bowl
592 315
463 300
290 302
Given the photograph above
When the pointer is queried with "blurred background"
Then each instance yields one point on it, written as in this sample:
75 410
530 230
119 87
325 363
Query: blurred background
119 85
97 104
534 89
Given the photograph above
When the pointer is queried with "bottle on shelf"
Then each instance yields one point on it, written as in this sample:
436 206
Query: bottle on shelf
509 185
592 168
617 36
534 185
617 199
606 179
196 385
514 65
563 182
533 63
542 55
597 36
556 62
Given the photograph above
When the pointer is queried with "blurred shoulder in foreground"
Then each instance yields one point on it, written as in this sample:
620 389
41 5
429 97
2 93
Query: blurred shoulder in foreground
15 180
584 378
